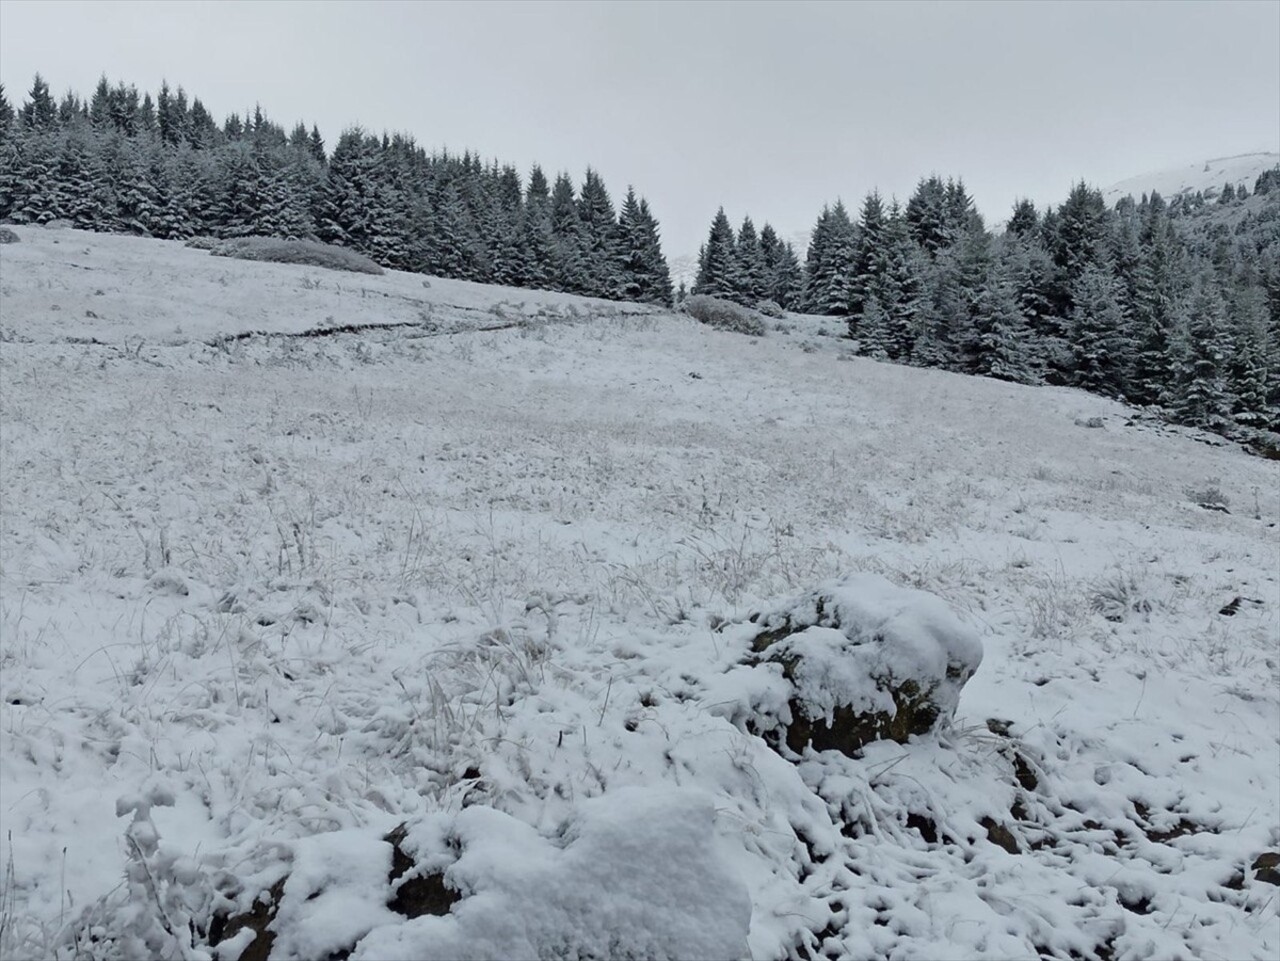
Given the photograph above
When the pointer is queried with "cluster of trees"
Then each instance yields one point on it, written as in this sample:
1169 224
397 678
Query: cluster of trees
1172 304
748 268
164 168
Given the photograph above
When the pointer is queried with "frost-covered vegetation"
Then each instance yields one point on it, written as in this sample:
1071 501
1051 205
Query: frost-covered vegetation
342 616
308 252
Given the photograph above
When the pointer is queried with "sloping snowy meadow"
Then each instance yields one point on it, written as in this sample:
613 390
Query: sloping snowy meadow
469 583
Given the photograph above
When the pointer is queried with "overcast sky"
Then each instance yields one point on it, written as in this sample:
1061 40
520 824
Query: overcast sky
769 109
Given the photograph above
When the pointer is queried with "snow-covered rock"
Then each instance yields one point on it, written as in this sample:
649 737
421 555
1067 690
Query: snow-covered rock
857 660
634 875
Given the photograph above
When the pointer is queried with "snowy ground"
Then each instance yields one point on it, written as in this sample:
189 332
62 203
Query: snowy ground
488 582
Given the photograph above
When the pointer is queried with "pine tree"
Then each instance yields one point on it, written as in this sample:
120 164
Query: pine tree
1003 345
718 261
1099 333
6 116
1082 232
598 237
658 286
33 185
829 263
536 242
570 273
750 286
644 274
1201 395
874 335
783 281
1157 288
1248 365
79 179
39 113
869 263
926 215
201 130
899 288
943 310
1024 221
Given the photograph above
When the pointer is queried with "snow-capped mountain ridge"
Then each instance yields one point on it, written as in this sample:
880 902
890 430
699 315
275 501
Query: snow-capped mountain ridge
1208 176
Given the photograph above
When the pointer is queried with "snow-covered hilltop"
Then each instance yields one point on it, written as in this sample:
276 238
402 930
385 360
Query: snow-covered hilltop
352 615
1208 177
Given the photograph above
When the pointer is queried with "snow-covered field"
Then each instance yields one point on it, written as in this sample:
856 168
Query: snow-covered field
485 574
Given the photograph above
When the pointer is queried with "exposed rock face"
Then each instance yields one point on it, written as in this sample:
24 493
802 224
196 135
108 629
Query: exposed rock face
857 660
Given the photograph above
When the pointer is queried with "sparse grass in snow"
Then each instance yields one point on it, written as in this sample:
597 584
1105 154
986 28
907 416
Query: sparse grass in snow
317 585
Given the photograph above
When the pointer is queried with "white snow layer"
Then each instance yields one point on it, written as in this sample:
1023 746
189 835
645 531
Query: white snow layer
492 583
636 874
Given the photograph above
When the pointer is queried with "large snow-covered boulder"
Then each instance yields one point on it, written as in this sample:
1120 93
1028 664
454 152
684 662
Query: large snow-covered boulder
857 660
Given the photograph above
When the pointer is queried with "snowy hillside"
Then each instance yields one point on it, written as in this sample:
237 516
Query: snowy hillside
357 616
1209 176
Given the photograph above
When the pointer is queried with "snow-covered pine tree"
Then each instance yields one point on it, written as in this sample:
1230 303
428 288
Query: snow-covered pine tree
901 283
598 237
874 336
631 247
570 274
39 113
750 282
927 215
1157 288
1003 345
718 261
657 288
1099 333
536 243
829 262
1201 394
6 116
869 261
1024 220
1249 364
783 282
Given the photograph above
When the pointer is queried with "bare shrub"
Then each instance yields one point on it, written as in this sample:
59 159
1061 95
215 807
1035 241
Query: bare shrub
202 243
1209 496
7 236
724 315
770 308
309 252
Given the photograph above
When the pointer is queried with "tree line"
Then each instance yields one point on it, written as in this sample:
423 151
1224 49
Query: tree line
164 168
1174 304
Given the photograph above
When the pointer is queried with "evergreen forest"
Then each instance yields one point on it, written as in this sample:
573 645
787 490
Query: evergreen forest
164 168
1173 305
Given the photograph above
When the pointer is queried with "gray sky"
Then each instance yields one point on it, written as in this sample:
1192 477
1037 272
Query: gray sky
769 109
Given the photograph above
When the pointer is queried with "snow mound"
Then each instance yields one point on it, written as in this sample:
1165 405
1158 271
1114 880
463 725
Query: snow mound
634 874
856 660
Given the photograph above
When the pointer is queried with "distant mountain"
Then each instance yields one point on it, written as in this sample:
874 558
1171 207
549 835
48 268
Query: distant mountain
1209 177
